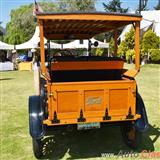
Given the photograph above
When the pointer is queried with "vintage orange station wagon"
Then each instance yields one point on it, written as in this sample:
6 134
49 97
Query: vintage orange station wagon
86 92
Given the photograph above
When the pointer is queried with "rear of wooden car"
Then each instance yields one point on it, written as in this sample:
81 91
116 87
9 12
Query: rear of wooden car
86 92
90 91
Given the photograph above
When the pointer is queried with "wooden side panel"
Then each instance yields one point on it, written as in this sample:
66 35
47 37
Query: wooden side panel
93 98
87 65
66 102
118 101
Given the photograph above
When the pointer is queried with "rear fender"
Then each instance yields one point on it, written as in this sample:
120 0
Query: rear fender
141 124
36 115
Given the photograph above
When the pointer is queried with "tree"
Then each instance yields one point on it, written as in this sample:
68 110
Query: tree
127 44
130 55
77 5
111 46
142 6
100 51
155 55
158 6
74 6
115 6
22 26
149 41
1 32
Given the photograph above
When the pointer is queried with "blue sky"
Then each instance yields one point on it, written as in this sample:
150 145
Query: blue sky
7 5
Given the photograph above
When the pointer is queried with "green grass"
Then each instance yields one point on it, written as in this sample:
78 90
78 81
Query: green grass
16 142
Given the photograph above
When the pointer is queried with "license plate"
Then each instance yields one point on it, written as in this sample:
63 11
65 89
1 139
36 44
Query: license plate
85 126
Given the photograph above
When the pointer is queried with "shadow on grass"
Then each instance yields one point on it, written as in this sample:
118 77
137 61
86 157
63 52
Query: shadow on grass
92 143
6 79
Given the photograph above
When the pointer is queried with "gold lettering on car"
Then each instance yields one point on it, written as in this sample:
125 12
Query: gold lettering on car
93 100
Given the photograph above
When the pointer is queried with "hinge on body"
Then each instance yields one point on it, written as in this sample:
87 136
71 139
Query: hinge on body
50 94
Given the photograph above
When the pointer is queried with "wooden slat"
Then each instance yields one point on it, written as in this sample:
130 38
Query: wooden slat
89 65
66 36
60 29
83 24
137 46
43 68
79 28
105 17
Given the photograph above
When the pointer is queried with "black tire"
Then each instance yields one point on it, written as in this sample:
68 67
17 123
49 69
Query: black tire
43 91
142 123
36 114
37 148
130 135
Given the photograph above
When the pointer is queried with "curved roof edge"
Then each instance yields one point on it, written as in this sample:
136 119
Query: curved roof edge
99 13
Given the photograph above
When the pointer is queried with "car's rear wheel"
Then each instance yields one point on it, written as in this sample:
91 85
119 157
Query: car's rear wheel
131 136
37 148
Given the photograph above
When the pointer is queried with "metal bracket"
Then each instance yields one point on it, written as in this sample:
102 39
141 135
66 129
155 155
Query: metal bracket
55 119
81 118
106 116
130 115
50 94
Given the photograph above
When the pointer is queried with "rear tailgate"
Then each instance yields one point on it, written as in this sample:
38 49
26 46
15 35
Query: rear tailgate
93 99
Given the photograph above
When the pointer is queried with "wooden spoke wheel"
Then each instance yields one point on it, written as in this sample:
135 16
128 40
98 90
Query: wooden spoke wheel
130 135
37 148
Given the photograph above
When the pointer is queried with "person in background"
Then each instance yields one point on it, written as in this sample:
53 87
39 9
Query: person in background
36 71
14 59
30 55
34 55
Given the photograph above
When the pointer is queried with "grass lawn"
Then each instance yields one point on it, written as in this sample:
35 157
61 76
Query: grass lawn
16 86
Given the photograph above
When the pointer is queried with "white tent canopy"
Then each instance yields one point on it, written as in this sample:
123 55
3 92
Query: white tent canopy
34 41
151 20
5 46
84 44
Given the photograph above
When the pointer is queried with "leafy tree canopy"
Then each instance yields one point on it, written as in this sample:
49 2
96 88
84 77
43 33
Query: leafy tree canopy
128 43
111 46
130 55
143 6
1 32
73 6
114 6
100 51
22 26
155 55
150 41
77 5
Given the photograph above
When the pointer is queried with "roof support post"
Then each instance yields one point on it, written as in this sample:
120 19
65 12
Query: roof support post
42 50
137 45
115 41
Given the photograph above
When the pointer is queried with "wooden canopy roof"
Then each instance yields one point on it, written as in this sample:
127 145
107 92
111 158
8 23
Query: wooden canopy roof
82 25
